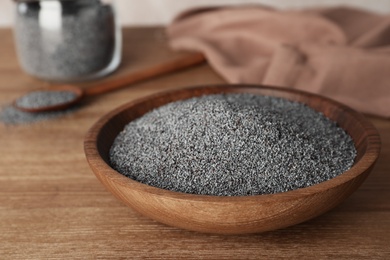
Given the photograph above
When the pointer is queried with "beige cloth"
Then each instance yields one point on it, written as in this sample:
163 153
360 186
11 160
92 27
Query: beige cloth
342 53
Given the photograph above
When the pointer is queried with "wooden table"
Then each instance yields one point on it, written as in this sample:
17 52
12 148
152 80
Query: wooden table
52 206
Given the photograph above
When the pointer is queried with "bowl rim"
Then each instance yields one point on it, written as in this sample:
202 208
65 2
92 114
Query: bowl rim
365 163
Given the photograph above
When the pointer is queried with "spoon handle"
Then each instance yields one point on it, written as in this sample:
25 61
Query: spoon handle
148 73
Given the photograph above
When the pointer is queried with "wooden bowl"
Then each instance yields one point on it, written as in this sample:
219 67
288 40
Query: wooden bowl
241 214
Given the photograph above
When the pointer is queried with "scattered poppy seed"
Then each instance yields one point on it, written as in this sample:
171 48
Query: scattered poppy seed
9 115
232 145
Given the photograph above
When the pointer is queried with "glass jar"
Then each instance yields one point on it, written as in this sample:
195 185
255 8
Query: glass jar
67 40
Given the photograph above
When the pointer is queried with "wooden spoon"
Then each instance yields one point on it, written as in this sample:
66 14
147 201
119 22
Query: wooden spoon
79 93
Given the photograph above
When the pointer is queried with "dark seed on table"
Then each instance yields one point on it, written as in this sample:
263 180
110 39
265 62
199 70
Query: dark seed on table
9 115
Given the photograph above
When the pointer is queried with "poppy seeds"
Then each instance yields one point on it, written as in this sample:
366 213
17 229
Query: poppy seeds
77 42
11 115
42 98
232 145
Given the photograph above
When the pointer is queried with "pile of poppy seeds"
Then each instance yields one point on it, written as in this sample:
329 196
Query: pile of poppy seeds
232 145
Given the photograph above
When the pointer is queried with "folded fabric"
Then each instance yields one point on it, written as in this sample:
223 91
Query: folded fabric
342 53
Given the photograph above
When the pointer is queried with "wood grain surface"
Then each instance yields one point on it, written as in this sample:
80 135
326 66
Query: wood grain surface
53 207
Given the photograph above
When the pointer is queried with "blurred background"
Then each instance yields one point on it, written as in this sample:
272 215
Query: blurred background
160 12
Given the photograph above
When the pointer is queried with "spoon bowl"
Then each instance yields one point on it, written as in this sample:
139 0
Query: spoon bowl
77 96
237 214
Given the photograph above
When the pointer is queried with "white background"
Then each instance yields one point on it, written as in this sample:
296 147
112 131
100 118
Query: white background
155 12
